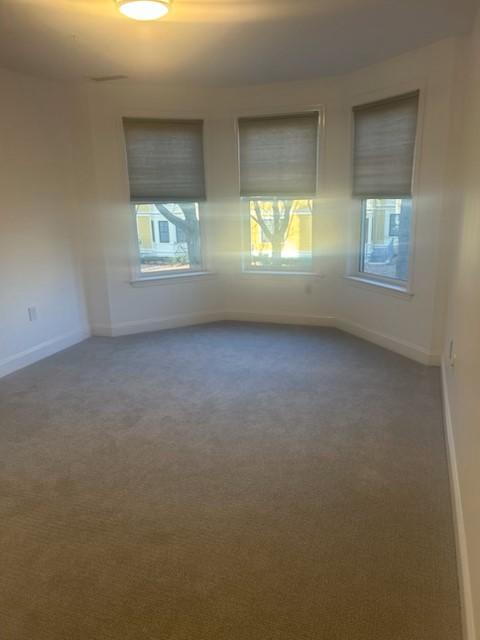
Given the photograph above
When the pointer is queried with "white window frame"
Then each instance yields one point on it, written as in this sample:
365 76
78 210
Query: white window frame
352 269
246 267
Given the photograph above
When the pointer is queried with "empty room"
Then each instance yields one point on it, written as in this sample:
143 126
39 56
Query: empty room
239 320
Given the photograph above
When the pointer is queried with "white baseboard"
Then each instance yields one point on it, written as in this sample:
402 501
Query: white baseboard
49 347
407 349
280 318
155 324
42 350
404 348
468 620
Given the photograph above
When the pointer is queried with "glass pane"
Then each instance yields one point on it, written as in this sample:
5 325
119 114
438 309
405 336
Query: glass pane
281 234
386 237
168 237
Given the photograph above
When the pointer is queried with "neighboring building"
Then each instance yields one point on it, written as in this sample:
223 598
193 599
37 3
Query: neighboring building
160 241
386 237
381 230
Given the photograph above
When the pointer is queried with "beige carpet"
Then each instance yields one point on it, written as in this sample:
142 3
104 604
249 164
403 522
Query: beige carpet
225 482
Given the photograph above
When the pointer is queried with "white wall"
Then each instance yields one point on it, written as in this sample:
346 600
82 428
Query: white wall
415 322
38 213
258 296
411 325
462 380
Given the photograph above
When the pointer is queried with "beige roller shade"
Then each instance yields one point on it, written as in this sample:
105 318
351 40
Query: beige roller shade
278 155
384 147
165 160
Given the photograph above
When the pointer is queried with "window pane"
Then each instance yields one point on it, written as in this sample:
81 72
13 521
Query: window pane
281 234
168 237
385 246
163 231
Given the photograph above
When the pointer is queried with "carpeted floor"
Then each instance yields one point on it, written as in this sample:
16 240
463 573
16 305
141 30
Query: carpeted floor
225 482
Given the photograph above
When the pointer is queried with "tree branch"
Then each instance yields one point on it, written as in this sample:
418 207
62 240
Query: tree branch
288 204
171 217
277 217
261 222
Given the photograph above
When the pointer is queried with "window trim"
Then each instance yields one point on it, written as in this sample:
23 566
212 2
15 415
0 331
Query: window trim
175 278
352 273
136 270
380 287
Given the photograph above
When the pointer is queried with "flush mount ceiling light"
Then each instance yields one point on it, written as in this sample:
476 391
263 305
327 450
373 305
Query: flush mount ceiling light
144 9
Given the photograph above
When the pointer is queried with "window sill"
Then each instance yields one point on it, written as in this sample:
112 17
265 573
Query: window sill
264 272
174 278
381 287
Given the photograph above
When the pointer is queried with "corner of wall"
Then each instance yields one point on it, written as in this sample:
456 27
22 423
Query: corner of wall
43 350
463 567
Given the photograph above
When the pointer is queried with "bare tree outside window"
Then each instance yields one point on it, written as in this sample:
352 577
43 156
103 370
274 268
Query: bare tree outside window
178 246
187 222
280 234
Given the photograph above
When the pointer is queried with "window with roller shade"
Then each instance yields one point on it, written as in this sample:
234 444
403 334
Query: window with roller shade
383 169
278 180
167 183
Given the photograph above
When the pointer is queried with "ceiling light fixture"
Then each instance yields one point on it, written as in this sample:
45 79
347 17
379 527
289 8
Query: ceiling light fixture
144 9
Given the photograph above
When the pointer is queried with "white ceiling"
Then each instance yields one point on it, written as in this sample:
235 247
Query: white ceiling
220 42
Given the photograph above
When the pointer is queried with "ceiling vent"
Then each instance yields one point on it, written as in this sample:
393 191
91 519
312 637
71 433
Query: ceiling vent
107 78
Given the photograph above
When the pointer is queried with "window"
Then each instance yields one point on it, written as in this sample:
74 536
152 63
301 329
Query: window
385 244
280 234
167 183
163 231
384 151
278 179
163 252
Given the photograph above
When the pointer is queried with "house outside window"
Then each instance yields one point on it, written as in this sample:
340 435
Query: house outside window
385 237
162 248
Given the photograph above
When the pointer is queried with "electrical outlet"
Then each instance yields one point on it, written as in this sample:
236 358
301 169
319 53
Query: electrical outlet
32 314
